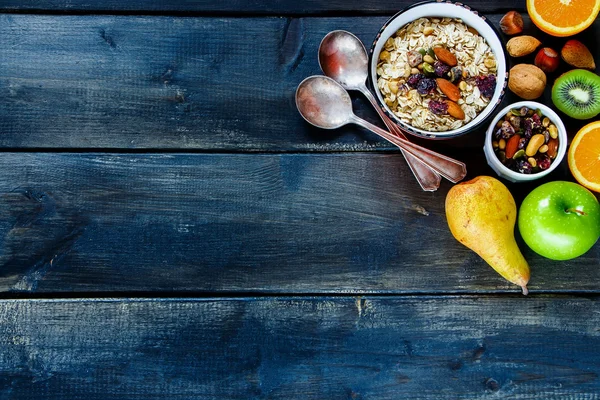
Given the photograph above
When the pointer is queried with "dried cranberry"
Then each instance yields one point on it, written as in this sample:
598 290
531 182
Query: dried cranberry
486 85
440 68
537 122
438 107
544 163
426 86
414 80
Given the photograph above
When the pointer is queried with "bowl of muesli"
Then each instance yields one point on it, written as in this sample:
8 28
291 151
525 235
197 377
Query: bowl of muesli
439 69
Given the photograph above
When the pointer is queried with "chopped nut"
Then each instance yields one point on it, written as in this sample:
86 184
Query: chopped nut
543 148
393 85
545 122
553 131
489 63
384 55
532 161
428 30
462 85
414 58
428 59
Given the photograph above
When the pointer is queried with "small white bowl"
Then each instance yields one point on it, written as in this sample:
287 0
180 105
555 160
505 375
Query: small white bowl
451 10
509 174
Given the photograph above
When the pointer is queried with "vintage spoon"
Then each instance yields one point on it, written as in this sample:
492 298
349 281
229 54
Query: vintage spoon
343 57
325 104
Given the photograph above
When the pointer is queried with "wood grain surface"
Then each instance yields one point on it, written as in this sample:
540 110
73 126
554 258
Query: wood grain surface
304 223
329 348
152 149
236 7
125 82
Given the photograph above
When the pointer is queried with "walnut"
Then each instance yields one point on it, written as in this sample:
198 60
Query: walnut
527 81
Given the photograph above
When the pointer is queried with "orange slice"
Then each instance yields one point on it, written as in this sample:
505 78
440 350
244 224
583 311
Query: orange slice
584 156
563 17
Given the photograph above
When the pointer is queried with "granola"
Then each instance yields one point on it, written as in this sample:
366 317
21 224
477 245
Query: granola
436 48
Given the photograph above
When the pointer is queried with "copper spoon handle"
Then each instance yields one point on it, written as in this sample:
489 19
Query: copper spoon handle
449 168
427 177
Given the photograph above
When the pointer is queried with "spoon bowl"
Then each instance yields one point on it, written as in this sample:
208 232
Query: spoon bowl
343 57
324 103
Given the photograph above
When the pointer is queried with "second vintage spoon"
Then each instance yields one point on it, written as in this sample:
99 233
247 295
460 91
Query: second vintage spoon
343 57
326 104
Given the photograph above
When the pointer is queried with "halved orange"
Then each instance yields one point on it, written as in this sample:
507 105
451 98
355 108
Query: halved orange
563 17
584 156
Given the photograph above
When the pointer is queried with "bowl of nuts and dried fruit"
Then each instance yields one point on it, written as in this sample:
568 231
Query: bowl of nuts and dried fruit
439 69
525 141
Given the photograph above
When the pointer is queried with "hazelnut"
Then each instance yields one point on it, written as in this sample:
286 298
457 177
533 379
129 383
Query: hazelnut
547 60
511 23
527 81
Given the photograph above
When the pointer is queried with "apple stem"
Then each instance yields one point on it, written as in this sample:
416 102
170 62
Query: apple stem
525 290
570 210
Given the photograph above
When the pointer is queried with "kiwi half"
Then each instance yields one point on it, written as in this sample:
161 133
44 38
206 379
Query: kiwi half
577 94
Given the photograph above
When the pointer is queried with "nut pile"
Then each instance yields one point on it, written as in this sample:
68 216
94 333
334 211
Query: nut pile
436 74
526 141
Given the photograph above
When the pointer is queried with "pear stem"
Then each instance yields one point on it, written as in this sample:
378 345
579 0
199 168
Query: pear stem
525 290
570 210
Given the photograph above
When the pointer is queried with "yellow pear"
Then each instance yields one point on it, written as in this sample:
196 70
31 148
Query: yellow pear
481 214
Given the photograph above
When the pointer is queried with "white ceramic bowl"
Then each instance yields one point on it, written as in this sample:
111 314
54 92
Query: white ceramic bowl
450 10
509 174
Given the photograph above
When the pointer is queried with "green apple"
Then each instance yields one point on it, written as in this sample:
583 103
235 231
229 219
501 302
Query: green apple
560 220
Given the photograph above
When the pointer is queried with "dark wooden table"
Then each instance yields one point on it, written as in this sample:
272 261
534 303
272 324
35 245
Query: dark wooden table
171 228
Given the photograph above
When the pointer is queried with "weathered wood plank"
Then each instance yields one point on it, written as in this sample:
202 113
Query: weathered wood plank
333 348
237 223
165 82
237 6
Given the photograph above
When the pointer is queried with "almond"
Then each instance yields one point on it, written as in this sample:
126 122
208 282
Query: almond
512 146
552 148
450 90
445 56
454 110
522 45
578 55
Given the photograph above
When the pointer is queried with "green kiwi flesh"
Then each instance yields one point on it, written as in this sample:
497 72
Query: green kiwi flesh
577 94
